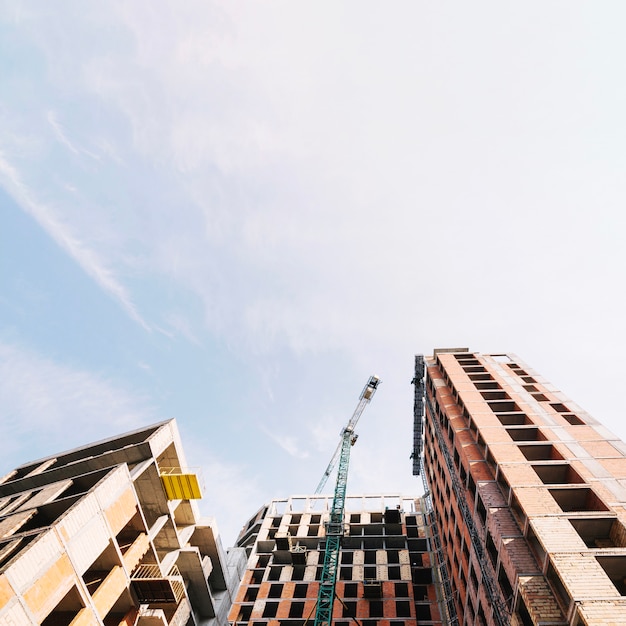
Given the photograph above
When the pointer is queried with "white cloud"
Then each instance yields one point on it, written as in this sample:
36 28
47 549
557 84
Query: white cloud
62 233
49 407
61 135
325 178
288 443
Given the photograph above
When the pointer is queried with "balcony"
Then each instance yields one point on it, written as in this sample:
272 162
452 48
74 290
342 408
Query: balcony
180 484
152 587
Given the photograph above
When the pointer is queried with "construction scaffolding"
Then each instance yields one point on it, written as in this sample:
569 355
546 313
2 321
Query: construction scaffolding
500 612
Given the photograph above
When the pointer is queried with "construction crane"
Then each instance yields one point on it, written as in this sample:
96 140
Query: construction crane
364 398
334 527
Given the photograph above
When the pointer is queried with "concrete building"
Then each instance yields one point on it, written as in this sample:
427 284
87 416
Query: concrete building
529 495
385 574
110 534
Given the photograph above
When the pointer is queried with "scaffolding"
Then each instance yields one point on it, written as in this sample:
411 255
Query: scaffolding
500 612
418 414
443 587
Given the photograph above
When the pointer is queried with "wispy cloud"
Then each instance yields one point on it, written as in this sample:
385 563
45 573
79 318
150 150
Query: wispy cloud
48 407
91 263
61 135
288 443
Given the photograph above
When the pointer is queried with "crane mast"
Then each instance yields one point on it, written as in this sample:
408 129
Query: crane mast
334 527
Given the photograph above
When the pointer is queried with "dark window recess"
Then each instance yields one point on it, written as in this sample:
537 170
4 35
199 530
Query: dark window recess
480 616
251 594
298 572
560 591
403 608
370 572
615 569
505 586
402 590
492 550
540 397
270 610
578 499
558 474
422 575
345 573
514 419
536 547
526 434
275 591
600 532
393 556
275 572
348 609
421 545
244 613
574 420
370 557
296 609
475 369
394 572
518 512
376 608
420 592
257 577
559 408
476 377
481 510
495 395
351 590
523 614
423 612
300 591
492 384
347 558
474 579
503 407
541 452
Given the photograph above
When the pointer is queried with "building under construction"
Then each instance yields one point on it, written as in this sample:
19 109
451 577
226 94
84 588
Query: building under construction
385 574
110 534
528 491
522 522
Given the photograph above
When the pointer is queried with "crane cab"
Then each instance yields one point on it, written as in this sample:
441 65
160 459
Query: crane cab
370 388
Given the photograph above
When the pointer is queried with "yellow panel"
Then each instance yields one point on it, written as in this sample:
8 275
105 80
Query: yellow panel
181 486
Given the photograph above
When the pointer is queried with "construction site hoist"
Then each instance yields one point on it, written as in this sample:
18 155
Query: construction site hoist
334 526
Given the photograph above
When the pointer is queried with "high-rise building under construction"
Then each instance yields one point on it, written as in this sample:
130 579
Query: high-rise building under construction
523 522
110 534
385 575
528 491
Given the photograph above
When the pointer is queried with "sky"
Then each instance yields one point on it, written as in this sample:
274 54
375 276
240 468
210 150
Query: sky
233 213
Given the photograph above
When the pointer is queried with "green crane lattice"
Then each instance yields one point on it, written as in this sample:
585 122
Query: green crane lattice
334 527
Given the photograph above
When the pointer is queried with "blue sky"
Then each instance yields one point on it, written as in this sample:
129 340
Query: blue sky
234 213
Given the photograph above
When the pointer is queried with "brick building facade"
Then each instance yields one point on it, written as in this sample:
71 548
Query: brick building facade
385 574
529 494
